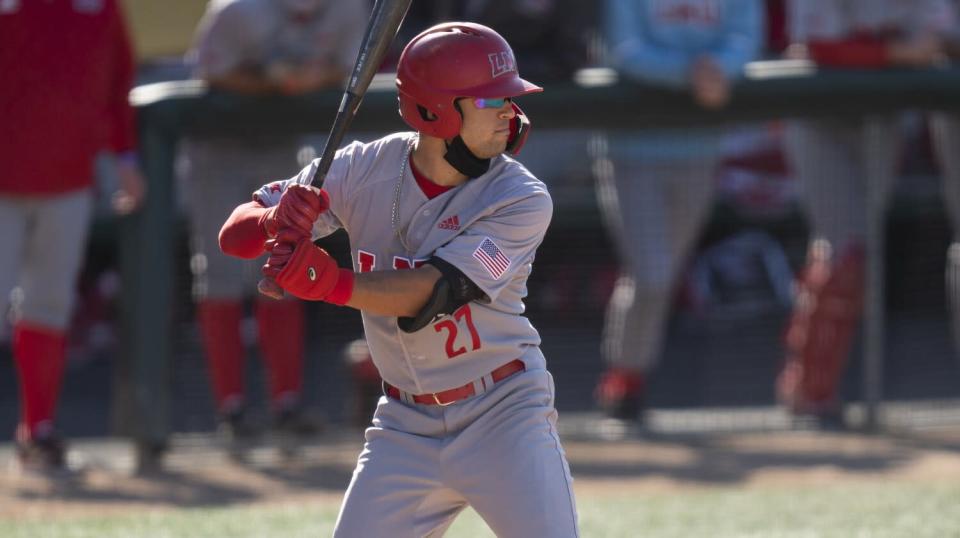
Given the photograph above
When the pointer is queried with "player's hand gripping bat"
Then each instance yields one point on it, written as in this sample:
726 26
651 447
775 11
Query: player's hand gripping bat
382 28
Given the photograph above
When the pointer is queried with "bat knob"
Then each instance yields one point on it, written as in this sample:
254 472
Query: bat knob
270 289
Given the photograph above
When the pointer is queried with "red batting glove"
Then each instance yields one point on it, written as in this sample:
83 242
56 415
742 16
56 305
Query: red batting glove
307 271
299 207
281 250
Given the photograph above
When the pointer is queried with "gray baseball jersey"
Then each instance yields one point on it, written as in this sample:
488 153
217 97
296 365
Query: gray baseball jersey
499 451
489 228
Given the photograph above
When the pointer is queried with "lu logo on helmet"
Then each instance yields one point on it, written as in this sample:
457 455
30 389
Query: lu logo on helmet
501 63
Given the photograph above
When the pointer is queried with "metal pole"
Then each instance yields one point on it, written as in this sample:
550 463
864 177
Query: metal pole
147 303
878 186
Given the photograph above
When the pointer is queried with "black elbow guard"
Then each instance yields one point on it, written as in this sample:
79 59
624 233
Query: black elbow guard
452 291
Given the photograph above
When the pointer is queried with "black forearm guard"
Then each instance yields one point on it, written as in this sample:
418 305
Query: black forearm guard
452 291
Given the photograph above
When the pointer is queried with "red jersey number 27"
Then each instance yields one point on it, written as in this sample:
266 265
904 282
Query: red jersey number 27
461 316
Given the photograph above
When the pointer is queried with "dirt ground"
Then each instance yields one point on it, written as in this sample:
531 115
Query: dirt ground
199 475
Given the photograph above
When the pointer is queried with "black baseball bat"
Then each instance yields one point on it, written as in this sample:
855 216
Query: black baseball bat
381 29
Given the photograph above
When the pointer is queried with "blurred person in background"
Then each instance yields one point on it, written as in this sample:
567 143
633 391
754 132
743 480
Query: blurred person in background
257 47
67 70
846 169
945 129
659 190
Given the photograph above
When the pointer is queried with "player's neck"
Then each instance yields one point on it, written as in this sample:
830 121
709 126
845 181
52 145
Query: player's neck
428 156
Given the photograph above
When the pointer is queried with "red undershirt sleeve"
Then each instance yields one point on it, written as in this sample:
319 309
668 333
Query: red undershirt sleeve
241 235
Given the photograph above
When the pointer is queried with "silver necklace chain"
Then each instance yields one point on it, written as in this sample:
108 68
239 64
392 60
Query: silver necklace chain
395 212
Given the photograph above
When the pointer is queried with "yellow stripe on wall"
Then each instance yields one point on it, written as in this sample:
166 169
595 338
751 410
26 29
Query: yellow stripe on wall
163 27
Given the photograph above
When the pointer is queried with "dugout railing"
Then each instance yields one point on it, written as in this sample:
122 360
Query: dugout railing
596 99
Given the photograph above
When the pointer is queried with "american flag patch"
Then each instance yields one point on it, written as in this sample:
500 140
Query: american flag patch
492 258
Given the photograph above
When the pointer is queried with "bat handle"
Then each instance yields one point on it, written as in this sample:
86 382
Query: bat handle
269 287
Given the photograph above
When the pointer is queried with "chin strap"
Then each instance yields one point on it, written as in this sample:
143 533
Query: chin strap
460 157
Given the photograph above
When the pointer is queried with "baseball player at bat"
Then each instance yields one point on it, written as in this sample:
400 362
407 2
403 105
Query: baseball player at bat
443 228
846 169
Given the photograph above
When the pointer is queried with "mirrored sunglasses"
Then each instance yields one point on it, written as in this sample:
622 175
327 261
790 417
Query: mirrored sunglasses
486 102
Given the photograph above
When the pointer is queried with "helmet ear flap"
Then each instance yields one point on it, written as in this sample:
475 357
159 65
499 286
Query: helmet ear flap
425 114
519 130
427 119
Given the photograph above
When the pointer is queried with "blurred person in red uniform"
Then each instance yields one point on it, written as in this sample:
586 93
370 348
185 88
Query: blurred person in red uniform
846 169
67 69
256 47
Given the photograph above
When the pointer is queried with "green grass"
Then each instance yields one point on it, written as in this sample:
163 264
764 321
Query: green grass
873 510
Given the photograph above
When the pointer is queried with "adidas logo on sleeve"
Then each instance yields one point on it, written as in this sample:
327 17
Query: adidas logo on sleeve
451 223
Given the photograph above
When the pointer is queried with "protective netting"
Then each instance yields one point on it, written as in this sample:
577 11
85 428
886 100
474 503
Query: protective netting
714 364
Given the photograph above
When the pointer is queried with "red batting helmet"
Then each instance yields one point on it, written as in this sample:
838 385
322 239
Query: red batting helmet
449 61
